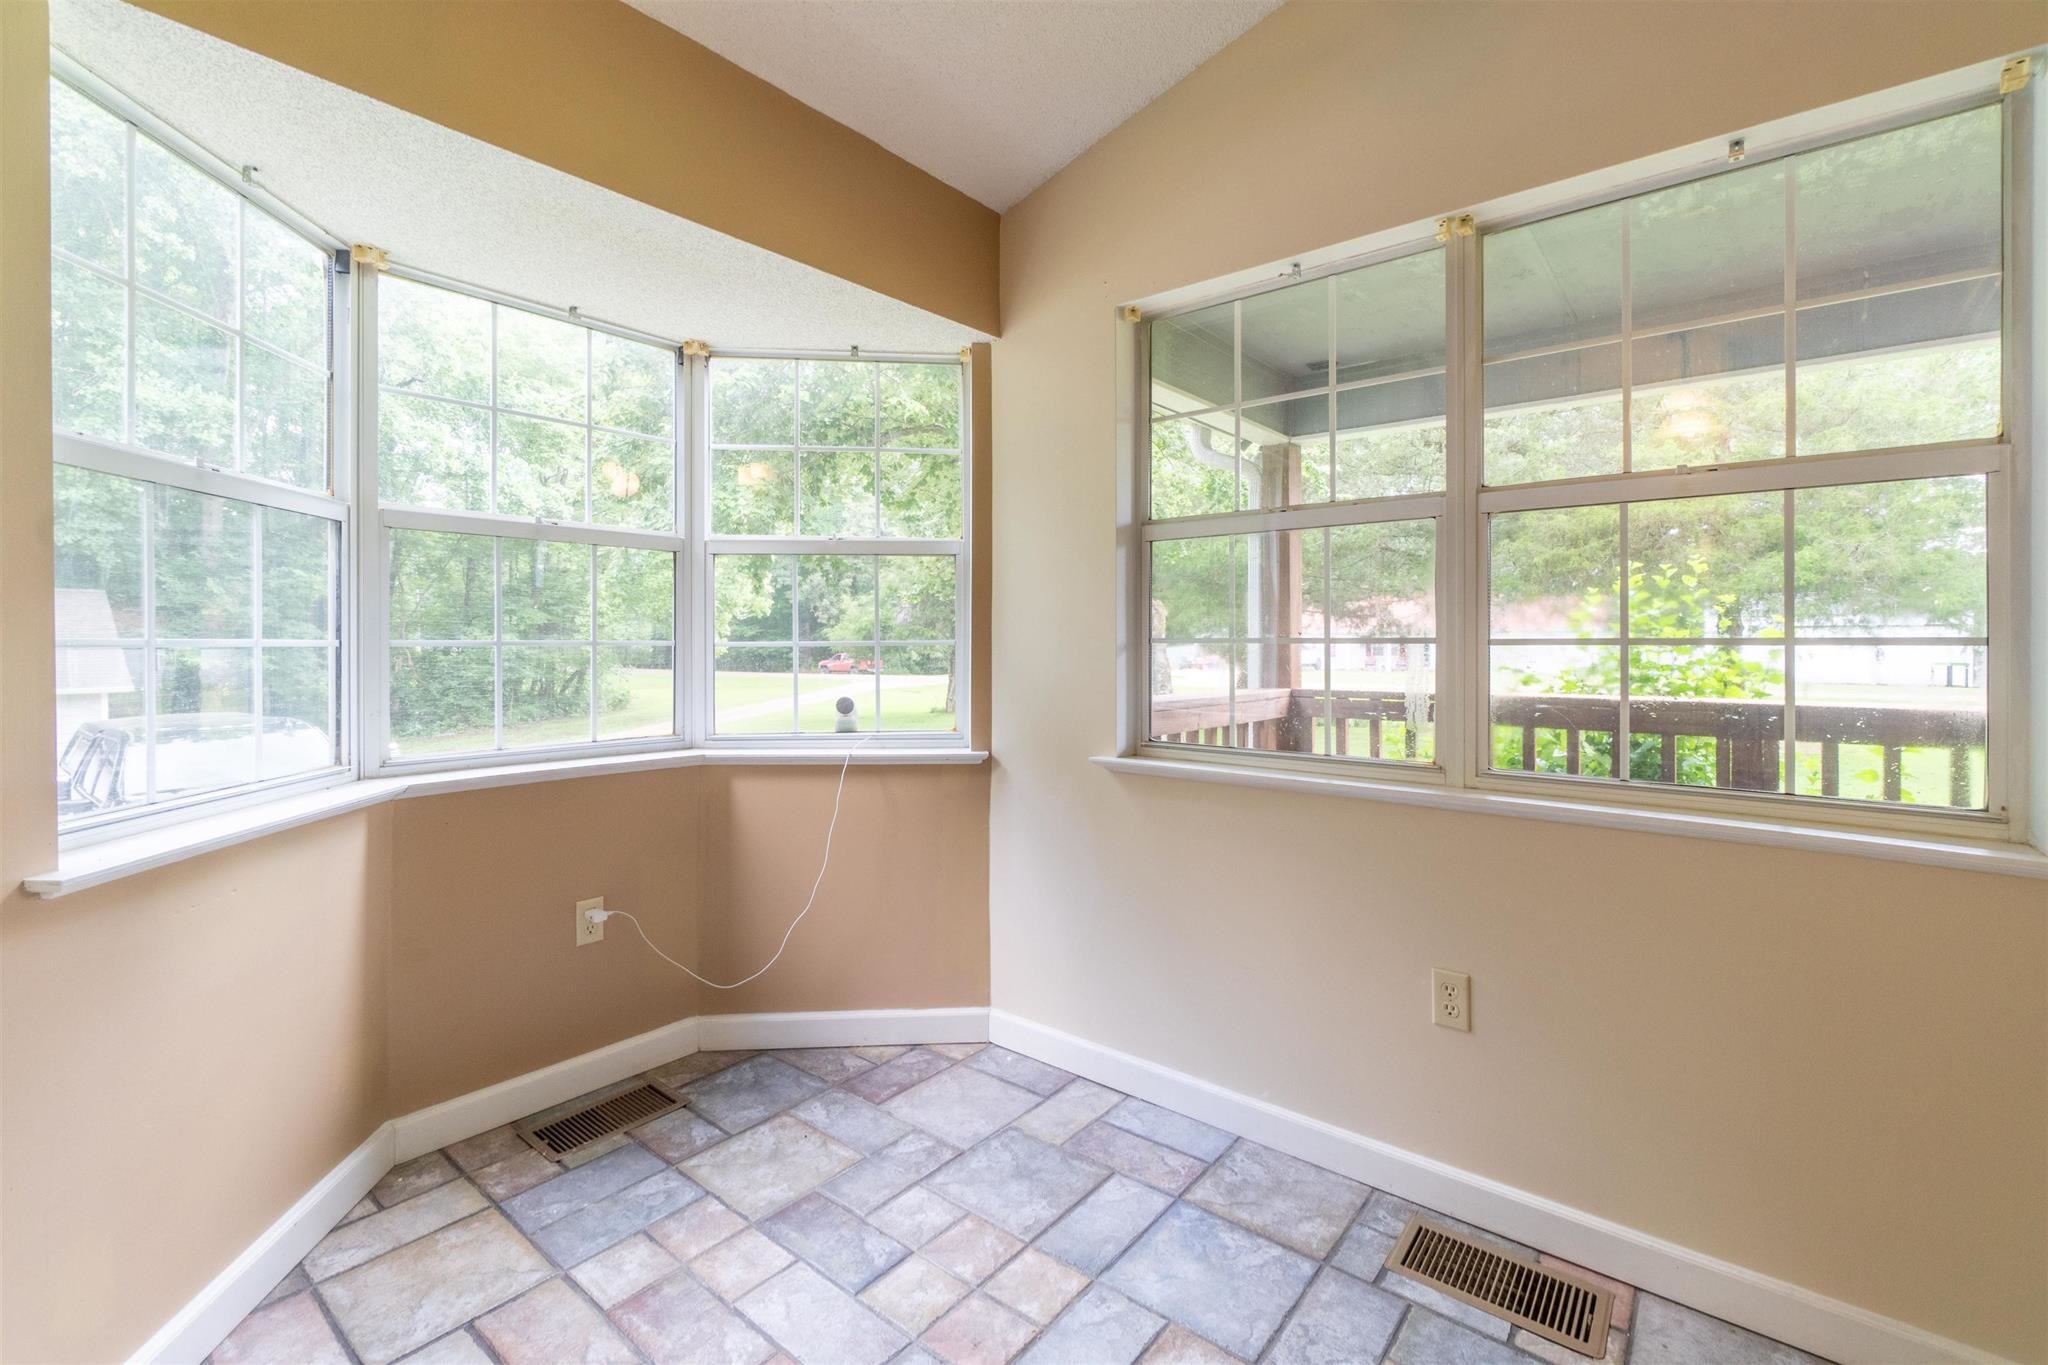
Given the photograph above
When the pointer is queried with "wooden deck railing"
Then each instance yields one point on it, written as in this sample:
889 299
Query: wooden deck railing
1747 735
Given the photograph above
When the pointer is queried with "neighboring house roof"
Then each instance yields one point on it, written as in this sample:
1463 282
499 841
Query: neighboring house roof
85 614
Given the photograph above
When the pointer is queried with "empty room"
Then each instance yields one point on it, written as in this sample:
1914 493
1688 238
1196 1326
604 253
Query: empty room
895 682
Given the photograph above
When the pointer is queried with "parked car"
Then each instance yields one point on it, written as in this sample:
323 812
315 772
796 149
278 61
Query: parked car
842 662
103 766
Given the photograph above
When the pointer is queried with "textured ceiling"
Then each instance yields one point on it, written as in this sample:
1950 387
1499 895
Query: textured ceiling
447 203
990 96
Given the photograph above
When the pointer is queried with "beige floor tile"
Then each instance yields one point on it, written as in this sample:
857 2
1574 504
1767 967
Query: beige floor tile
1543 1348
916 1216
831 1064
972 1249
550 1325
292 1329
516 1174
407 1297
457 1348
1036 1285
695 1067
957 1051
1069 1110
878 1054
409 1178
1178 1346
352 1244
487 1149
914 1294
677 1321
978 1332
769 1165
739 1263
691 1231
624 1270
364 1207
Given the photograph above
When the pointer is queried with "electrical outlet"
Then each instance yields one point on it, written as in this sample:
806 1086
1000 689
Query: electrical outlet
588 930
1451 999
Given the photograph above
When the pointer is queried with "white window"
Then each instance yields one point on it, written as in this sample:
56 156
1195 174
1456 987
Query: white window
836 542
1718 500
198 529
527 542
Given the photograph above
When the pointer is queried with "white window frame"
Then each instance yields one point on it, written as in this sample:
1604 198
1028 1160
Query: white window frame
710 545
1462 712
148 467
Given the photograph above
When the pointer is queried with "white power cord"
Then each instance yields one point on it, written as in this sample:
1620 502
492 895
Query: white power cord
600 916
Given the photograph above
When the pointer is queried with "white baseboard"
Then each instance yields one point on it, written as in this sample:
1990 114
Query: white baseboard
1814 1322
206 1321
842 1028
427 1130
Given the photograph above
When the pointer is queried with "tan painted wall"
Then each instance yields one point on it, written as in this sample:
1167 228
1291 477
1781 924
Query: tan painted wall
601 91
1832 1070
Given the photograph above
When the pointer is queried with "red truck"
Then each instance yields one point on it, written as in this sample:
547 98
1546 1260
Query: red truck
842 662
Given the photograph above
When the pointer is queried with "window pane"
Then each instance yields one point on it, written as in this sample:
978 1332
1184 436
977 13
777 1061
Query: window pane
433 454
88 180
1287 340
1390 318
546 695
754 690
632 386
1554 283
1892 723
441 587
1191 588
921 406
1190 693
1710 395
99 557
1194 465
540 469
284 419
186 245
635 691
184 384
1554 708
101 758
835 597
753 595
1906 558
830 674
631 481
1281 700
838 402
1382 578
1382 701
88 352
917 688
838 493
753 493
1707 248
1707 716
541 365
753 402
917 597
432 340
1554 416
298 576
1707 567
204 566
1194 362
207 736
298 710
920 495
1390 438
544 589
1912 218
284 288
636 594
441 700
1287 452
1556 573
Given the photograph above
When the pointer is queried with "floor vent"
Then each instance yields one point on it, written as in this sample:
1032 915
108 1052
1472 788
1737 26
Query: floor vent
1567 1310
628 1107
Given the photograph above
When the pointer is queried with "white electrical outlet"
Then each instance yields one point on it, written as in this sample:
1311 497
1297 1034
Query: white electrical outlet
588 930
1451 999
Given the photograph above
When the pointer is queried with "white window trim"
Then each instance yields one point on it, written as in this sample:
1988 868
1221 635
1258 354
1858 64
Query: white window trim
1459 776
145 466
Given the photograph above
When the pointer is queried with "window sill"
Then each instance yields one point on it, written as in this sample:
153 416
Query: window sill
125 855
2008 860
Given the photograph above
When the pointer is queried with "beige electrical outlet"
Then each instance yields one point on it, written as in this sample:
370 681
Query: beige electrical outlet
588 930
1451 999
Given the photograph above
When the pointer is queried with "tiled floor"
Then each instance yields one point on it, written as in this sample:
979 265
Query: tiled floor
862 1205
